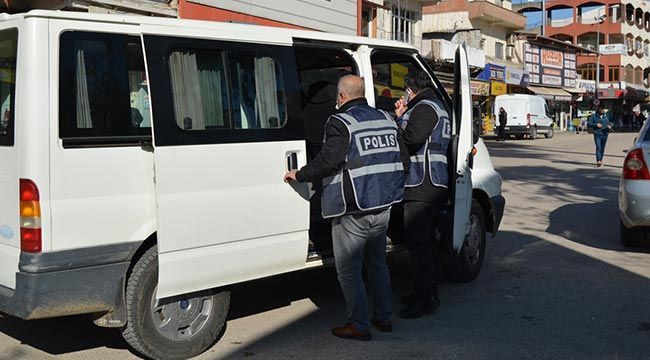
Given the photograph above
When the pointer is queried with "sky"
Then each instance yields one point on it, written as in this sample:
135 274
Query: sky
534 18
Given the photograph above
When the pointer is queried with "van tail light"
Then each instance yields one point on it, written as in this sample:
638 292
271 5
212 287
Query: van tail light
30 217
635 167
528 119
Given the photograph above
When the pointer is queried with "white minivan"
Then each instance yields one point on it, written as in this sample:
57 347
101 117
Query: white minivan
527 115
141 164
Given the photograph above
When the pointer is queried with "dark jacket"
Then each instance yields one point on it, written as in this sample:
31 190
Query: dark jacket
333 153
503 118
596 119
421 123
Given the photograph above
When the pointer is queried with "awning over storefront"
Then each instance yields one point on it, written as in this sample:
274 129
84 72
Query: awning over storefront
551 93
577 91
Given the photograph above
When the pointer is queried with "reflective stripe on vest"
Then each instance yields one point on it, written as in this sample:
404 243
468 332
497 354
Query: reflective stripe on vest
373 164
436 156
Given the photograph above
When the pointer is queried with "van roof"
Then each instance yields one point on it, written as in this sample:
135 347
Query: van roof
265 32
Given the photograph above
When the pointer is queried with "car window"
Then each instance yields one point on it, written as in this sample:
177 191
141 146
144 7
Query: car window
8 49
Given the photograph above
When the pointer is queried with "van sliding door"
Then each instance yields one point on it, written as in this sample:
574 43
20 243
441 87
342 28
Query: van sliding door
225 132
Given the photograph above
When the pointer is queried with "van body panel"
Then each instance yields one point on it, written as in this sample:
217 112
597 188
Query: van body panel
101 193
11 168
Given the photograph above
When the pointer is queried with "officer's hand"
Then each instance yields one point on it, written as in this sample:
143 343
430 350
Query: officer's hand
400 107
599 125
290 176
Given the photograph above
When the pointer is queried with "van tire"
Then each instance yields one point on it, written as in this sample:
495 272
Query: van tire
466 265
549 134
141 331
533 133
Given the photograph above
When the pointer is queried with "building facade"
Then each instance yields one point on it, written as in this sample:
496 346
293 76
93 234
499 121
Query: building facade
621 31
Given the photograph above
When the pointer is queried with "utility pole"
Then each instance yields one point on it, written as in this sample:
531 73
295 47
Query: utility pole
543 17
599 19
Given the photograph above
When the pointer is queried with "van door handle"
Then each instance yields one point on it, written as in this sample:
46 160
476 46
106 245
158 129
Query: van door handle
292 161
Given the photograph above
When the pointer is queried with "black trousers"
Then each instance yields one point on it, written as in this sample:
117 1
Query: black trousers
502 132
420 219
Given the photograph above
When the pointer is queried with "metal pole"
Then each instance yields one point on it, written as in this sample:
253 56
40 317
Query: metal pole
597 54
543 17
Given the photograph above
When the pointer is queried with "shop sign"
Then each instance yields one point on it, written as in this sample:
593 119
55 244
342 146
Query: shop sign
516 76
493 72
498 88
549 66
480 88
588 85
397 74
613 49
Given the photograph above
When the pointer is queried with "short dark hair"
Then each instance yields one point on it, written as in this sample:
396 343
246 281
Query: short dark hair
417 80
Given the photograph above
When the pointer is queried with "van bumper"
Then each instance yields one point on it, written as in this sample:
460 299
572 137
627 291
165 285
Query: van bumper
91 281
518 129
498 204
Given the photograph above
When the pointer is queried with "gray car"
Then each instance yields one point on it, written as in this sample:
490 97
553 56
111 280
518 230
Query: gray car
634 191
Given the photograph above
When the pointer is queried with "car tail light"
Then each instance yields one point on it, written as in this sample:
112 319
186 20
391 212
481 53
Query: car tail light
528 119
30 217
635 167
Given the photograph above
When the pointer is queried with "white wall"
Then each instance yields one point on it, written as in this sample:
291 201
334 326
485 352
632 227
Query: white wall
337 16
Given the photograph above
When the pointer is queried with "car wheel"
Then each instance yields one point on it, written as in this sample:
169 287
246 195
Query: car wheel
631 237
533 133
519 136
466 265
550 133
180 328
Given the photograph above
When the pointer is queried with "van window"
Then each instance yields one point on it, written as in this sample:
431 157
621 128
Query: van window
388 72
8 50
200 93
103 93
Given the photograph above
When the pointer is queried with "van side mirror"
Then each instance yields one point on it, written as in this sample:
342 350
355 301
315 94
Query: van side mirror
476 131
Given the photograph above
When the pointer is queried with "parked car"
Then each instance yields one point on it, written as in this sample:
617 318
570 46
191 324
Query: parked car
634 191
527 115
146 227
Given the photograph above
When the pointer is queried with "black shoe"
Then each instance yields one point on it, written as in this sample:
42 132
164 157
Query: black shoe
408 299
423 306
383 326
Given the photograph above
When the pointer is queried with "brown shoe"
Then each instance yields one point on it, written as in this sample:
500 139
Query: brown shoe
382 325
349 331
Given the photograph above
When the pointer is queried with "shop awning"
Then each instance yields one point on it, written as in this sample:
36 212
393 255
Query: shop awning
577 91
551 93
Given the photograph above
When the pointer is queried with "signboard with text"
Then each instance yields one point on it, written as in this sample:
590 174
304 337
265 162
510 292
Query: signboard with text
549 66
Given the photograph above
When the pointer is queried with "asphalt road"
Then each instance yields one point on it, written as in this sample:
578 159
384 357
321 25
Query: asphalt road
556 284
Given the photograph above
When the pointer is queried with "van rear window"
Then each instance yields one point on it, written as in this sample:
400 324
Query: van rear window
8 50
103 93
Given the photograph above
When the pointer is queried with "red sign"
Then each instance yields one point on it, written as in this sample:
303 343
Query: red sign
552 58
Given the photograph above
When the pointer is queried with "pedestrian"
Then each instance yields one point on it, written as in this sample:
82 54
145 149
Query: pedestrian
503 120
638 119
362 170
600 124
426 129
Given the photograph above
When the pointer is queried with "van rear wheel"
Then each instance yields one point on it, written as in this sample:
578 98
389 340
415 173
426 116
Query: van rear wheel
533 133
550 133
177 328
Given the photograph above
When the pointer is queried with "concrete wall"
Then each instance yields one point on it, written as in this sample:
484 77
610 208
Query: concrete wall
338 16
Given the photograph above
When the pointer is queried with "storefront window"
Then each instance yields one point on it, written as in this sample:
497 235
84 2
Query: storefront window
614 73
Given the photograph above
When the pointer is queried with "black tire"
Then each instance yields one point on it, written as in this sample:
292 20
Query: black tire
533 133
550 133
466 265
519 136
631 237
147 337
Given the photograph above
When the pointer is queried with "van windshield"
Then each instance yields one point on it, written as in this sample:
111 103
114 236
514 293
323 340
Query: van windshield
8 46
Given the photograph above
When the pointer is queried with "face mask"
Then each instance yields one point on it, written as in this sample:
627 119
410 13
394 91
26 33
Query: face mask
407 96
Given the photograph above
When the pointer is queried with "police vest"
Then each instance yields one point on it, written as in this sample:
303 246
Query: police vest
433 152
373 164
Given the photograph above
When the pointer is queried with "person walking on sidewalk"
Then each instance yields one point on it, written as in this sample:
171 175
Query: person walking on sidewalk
426 129
503 120
601 126
362 168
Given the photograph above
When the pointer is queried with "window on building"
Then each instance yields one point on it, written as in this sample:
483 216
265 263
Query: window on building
403 25
614 74
367 17
588 72
616 39
8 49
106 90
628 74
638 75
615 13
498 50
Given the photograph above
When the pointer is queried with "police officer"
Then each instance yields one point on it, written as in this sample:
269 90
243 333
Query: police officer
426 134
363 175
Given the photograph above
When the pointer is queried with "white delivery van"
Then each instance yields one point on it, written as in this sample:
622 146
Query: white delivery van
527 115
141 164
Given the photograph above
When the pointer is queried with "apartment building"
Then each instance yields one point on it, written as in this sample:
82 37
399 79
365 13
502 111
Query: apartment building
621 31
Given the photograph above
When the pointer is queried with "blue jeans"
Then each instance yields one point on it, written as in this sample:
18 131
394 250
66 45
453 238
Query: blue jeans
358 239
601 141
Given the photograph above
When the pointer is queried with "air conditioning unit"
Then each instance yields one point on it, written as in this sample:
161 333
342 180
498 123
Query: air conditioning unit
510 52
512 40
